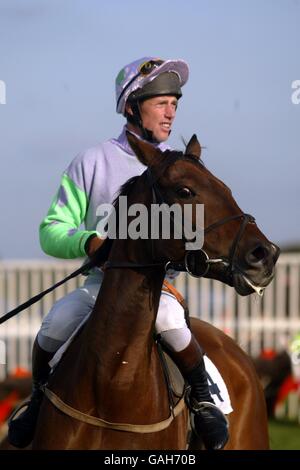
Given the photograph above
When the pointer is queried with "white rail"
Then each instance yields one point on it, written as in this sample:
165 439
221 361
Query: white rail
256 323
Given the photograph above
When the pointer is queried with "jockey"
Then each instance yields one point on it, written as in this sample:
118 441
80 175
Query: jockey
147 94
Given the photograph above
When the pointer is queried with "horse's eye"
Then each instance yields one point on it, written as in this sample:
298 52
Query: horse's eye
184 193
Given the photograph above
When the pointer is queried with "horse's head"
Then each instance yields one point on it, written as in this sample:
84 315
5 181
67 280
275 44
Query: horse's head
235 251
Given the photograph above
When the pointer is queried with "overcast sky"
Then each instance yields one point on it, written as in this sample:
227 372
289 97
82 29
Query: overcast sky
59 60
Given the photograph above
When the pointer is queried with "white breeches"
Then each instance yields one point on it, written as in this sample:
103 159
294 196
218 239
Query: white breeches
68 312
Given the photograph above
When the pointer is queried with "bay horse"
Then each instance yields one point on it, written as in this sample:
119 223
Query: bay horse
111 373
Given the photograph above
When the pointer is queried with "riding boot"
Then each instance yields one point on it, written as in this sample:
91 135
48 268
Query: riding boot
21 429
208 421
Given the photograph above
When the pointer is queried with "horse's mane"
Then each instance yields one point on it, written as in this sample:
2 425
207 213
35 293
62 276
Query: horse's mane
125 189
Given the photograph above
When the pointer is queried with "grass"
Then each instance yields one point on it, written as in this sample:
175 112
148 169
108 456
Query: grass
284 435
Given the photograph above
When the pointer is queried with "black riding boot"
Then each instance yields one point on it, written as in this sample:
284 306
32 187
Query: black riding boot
21 429
208 421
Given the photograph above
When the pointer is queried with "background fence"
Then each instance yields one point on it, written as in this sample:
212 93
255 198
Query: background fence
256 323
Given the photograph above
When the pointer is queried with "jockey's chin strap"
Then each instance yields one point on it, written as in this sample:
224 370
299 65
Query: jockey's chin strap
196 262
136 120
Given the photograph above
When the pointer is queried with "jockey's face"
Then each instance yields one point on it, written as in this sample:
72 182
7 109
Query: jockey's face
158 114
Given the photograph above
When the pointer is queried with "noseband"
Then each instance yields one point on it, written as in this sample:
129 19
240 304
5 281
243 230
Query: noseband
196 262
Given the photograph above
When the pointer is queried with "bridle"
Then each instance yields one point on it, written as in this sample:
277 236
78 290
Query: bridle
195 262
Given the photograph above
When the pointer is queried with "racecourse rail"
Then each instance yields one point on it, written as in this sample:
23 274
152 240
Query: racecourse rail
256 323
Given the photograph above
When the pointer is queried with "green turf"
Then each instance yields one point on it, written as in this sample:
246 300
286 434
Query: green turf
284 435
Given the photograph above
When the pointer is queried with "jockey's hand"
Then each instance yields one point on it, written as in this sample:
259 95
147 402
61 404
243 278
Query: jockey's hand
92 245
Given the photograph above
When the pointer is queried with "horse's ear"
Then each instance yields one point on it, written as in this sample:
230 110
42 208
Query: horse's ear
193 148
145 152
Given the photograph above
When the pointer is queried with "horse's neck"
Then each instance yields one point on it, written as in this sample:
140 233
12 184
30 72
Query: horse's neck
120 330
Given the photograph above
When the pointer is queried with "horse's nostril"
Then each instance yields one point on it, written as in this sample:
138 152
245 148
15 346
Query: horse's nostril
258 254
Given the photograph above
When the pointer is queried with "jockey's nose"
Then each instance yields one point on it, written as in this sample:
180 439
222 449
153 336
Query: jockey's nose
263 252
170 111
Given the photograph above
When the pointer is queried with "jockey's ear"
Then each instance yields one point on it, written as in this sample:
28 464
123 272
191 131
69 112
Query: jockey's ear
145 152
193 148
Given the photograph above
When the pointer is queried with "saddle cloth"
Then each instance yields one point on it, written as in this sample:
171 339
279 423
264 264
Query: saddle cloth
216 384
217 387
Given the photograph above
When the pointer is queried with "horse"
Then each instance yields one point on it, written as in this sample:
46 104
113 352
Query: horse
109 390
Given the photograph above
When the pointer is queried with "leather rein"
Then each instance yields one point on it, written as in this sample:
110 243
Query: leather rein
196 262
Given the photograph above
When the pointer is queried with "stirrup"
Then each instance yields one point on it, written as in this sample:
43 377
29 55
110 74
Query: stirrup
208 423
196 406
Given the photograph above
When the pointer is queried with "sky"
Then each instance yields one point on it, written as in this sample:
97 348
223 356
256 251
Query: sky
58 63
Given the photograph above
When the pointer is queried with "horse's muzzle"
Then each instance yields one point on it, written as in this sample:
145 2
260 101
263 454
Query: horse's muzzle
244 286
258 269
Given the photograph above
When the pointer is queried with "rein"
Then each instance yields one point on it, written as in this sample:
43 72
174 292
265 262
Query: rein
99 258
196 262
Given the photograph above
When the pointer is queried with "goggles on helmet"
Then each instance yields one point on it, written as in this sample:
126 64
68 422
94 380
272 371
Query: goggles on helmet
144 69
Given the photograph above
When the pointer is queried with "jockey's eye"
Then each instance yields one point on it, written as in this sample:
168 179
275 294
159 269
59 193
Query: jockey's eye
185 193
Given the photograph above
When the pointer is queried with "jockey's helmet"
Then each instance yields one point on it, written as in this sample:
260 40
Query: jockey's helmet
149 77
